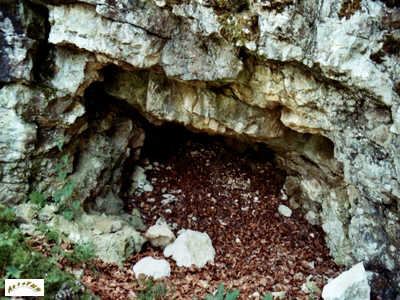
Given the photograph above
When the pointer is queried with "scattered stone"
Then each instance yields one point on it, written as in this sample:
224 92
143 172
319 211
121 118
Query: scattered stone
78 273
168 198
139 180
160 235
255 295
278 295
191 248
156 268
310 287
285 211
350 285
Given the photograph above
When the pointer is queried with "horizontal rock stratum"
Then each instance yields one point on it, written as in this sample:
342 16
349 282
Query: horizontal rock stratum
318 82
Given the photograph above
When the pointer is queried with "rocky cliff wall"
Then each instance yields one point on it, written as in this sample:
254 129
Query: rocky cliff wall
316 81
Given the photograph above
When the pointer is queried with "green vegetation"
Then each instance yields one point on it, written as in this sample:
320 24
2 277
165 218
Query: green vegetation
83 253
62 197
19 260
220 295
268 297
153 290
230 295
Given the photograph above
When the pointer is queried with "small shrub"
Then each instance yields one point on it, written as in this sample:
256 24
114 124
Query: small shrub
53 236
268 297
19 260
82 253
37 198
229 295
153 290
62 196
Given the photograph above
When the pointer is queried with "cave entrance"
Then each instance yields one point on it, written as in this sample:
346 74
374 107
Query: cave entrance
229 190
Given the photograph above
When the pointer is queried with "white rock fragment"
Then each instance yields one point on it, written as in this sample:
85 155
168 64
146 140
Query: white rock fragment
350 285
168 198
191 248
160 235
285 211
156 268
278 295
160 3
255 295
140 181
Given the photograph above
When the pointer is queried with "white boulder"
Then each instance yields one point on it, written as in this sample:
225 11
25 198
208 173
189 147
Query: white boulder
285 211
350 285
191 248
156 268
160 235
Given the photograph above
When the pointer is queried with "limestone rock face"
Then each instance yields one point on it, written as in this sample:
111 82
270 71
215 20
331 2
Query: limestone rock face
318 82
22 28
81 26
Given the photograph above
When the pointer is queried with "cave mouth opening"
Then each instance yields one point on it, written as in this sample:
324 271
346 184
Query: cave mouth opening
228 189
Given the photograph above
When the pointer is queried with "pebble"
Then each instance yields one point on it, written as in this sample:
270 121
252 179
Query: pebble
285 211
255 294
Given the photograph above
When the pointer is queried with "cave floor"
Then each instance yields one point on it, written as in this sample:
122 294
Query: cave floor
234 199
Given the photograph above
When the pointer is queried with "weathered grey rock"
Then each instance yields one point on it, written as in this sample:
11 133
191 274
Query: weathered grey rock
21 27
352 284
142 14
110 245
202 20
191 248
81 26
26 212
109 204
155 268
160 235
75 71
163 99
188 57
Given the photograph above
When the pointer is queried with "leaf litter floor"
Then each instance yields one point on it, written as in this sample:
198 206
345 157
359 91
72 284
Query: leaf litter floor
201 185
234 198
